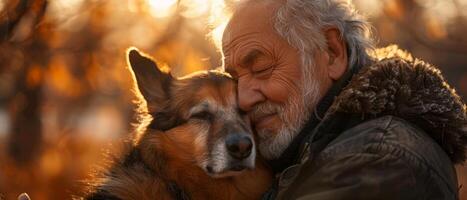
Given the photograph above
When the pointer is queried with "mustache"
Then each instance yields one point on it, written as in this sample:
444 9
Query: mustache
265 109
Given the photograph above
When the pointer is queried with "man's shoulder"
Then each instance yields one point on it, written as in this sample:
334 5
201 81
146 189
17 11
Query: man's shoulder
385 134
390 136
385 130
386 157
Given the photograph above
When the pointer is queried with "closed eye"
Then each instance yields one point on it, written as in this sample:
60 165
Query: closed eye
263 72
202 115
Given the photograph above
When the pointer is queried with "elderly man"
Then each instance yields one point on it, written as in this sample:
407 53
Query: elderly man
335 118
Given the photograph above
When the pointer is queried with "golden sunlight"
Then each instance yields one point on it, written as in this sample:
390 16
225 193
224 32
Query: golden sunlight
2 4
218 19
162 8
195 8
62 10
369 8
67 97
216 35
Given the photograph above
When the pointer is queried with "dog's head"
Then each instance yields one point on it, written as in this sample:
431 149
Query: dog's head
201 111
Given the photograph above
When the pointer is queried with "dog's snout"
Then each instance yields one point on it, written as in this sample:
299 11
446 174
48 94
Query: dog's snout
239 146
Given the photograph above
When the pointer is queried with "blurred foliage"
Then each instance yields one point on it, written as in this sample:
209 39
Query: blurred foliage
65 91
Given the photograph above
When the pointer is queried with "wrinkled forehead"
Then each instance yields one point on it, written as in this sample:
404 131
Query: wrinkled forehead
256 17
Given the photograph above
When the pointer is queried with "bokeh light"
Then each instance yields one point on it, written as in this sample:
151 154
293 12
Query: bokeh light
66 94
162 8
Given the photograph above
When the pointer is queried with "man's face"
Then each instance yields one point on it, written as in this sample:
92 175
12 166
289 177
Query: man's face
271 86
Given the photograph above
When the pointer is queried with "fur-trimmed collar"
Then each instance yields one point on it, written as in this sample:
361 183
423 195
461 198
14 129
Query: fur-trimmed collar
400 85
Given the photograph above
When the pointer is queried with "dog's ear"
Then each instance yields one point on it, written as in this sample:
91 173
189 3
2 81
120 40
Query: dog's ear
153 83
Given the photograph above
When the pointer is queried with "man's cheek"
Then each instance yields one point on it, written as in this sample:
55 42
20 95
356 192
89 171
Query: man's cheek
280 87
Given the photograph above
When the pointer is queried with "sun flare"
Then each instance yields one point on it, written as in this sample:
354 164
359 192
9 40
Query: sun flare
162 8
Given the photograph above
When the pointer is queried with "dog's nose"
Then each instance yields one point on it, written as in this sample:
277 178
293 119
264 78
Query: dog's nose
238 145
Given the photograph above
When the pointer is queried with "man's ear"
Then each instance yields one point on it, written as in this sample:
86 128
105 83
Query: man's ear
337 51
153 83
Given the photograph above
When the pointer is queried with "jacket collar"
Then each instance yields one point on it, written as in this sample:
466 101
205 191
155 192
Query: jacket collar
398 84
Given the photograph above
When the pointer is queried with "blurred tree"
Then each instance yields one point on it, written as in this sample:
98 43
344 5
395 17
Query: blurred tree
432 30
17 32
428 30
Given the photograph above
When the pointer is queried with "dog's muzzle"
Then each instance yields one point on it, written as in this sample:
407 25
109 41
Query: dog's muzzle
233 154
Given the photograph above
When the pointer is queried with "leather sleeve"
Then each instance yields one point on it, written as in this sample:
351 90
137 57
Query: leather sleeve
356 176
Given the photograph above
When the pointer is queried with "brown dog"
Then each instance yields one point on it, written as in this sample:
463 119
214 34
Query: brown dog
196 144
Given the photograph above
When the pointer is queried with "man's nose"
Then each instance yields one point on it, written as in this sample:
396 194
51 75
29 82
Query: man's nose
249 94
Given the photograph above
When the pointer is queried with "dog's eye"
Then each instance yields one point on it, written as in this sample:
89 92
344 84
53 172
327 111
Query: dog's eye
203 115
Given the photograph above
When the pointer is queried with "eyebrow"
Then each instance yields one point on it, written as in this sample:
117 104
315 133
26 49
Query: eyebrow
246 61
203 106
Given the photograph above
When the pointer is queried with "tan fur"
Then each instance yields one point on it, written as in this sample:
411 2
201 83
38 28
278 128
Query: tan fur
156 160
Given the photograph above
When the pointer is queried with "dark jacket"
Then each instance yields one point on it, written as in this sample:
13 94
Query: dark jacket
394 132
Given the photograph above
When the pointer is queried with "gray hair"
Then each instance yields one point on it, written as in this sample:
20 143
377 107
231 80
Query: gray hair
301 22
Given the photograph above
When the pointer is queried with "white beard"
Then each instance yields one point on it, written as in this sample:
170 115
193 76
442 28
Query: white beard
293 115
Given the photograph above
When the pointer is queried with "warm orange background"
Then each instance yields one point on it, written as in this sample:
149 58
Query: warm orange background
65 91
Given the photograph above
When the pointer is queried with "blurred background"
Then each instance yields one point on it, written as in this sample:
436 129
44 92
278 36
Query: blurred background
65 91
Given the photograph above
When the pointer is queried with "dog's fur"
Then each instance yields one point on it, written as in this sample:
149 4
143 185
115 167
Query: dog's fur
180 152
